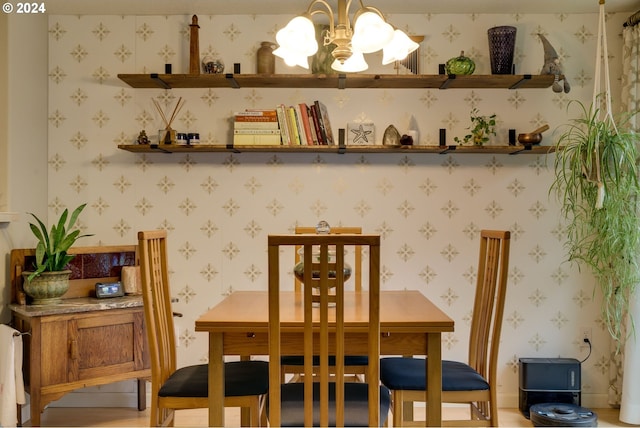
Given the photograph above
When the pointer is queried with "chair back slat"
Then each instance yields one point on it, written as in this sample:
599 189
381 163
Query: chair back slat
156 297
488 307
324 323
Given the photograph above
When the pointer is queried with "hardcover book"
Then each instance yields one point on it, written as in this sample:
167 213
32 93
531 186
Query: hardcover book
325 123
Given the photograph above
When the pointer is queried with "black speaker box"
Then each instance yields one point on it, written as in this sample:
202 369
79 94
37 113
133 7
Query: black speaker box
548 380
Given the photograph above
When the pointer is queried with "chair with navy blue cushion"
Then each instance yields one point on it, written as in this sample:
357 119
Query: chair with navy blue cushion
472 383
246 382
323 397
355 365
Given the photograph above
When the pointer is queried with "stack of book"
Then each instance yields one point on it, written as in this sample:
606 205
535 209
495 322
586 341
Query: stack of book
256 127
305 124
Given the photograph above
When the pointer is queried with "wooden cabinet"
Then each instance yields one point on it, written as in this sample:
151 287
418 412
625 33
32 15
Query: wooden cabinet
83 341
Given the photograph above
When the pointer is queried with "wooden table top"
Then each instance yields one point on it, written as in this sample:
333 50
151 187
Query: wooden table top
402 311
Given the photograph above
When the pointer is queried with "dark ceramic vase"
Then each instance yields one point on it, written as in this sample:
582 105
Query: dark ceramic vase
502 43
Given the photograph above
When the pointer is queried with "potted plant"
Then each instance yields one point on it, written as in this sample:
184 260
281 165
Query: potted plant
50 279
597 185
481 128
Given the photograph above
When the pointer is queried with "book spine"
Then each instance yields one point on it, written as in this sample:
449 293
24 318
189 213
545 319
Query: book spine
316 124
282 121
294 126
256 125
256 140
325 123
303 117
241 118
256 113
312 126
256 131
320 123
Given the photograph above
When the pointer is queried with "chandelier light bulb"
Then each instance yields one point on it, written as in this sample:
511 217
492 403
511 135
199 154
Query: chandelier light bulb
354 64
371 33
398 48
292 58
299 36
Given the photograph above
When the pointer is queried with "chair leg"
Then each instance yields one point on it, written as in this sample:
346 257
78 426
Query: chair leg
251 416
263 411
398 408
245 416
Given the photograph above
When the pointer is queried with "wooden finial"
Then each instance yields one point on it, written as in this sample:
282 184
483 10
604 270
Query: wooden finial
194 47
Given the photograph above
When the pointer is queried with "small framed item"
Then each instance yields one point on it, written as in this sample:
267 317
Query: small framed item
360 134
106 290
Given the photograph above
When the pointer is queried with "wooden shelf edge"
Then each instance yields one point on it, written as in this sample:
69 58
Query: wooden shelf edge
203 148
8 217
337 81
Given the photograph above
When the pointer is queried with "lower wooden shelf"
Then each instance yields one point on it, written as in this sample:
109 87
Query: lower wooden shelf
205 148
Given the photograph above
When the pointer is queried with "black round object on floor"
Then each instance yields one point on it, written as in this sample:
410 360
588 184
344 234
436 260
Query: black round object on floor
562 415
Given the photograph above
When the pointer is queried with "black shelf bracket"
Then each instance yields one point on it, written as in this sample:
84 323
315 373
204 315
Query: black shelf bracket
523 149
446 83
156 78
342 81
159 148
342 148
525 78
448 149
232 148
232 81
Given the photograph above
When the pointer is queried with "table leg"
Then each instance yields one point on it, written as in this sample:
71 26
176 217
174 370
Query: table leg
216 381
434 380
245 412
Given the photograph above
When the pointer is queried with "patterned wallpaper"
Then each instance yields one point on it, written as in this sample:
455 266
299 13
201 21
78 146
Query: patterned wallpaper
219 207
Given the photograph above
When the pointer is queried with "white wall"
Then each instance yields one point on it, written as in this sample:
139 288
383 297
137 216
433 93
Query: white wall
26 134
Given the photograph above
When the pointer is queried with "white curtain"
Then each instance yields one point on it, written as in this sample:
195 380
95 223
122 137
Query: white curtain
625 391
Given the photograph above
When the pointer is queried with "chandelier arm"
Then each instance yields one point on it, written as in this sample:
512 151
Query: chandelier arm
328 12
364 9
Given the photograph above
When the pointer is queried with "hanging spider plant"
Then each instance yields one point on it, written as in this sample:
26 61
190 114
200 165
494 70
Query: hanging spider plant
597 184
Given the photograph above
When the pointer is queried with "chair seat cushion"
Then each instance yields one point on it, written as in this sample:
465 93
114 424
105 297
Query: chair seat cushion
356 404
398 373
240 378
349 360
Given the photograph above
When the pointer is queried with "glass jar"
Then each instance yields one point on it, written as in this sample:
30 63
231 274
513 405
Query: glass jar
298 269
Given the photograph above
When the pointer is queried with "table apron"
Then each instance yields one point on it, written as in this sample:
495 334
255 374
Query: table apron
249 343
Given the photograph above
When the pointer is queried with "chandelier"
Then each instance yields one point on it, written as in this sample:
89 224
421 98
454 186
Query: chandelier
368 33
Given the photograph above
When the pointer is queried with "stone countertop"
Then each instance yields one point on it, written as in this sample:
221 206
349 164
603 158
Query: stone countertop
76 305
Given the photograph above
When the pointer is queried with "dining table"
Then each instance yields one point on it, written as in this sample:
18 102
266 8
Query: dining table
410 324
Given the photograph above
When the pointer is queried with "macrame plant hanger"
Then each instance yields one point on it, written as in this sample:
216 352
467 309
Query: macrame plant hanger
602 58
602 61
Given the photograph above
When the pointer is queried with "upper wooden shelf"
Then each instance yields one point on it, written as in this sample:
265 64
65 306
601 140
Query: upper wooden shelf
203 148
336 81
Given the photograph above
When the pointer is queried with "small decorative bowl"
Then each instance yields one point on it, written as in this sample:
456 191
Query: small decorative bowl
531 138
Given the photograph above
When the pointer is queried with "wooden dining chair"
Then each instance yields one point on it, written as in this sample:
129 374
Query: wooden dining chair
473 383
325 400
246 382
355 365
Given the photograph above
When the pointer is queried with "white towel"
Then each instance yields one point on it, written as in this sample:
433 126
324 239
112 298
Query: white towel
11 381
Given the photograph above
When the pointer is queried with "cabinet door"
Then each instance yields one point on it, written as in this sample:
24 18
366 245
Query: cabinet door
106 344
53 351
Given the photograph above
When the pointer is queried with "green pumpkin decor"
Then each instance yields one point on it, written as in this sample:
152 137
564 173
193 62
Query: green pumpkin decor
460 65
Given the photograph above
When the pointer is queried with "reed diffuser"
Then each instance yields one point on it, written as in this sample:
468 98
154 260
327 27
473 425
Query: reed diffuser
168 134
